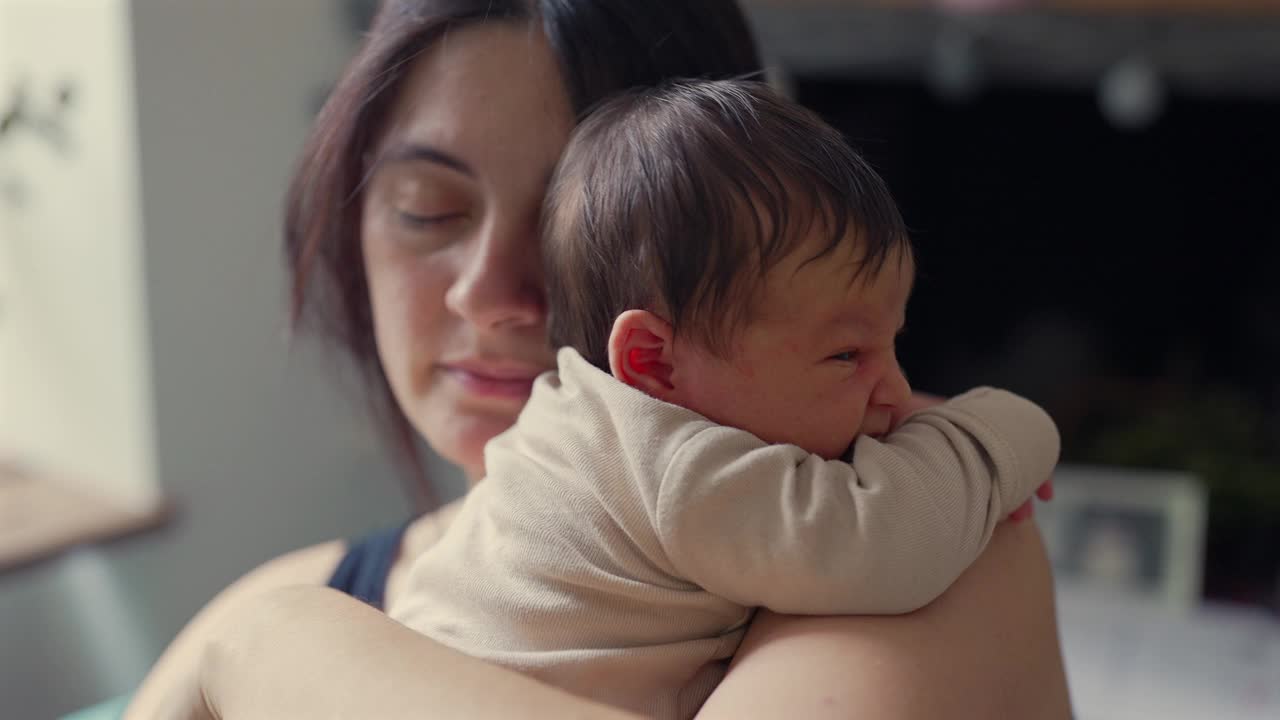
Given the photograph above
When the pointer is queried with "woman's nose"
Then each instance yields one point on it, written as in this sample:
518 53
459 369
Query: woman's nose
499 283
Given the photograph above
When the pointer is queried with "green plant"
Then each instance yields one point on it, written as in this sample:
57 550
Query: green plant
1219 435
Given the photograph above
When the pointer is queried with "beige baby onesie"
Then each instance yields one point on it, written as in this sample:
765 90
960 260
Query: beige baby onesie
619 544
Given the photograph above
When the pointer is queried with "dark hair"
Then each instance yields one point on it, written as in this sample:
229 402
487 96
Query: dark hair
604 46
680 199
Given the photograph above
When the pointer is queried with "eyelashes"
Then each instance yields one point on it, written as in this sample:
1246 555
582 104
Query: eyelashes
412 221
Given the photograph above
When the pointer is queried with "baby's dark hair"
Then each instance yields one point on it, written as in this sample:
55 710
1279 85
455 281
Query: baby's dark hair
680 199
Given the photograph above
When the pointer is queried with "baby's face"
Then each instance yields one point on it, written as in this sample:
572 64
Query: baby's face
817 365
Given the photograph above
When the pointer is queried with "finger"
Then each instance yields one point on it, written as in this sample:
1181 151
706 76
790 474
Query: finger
1045 491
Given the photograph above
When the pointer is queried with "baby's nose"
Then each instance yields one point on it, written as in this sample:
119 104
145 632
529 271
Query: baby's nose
894 390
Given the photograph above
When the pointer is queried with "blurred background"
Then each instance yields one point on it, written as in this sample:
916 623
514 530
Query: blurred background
1091 185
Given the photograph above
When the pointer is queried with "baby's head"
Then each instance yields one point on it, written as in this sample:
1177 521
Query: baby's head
721 248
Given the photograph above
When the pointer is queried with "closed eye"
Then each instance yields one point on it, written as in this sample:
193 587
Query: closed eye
847 356
418 222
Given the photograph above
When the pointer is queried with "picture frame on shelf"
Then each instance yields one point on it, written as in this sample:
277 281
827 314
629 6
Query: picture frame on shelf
1128 532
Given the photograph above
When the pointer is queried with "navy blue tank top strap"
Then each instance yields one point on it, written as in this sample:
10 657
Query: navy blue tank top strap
363 571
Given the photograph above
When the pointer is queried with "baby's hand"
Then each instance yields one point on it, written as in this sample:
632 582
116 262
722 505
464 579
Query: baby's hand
1026 509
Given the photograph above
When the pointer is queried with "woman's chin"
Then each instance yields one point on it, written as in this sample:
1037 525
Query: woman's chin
460 437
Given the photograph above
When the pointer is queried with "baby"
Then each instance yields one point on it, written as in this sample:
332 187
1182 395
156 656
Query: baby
723 433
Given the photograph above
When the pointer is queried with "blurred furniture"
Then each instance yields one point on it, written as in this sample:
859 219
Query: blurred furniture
40 515
1135 535
1128 661
1138 643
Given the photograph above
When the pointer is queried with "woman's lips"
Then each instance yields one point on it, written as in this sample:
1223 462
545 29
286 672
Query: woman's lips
493 380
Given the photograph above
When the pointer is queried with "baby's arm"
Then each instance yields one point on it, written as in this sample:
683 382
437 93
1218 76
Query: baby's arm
775 526
920 401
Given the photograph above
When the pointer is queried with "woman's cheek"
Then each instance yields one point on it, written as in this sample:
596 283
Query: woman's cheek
395 316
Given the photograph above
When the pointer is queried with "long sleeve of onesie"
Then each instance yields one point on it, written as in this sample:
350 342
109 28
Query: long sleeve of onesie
775 526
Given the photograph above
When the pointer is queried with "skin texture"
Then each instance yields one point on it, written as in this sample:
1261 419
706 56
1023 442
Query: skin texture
466 290
814 368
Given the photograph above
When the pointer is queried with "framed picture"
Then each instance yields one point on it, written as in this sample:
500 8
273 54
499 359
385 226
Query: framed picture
1131 532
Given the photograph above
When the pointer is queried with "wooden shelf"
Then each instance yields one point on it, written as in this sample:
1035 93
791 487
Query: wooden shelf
40 517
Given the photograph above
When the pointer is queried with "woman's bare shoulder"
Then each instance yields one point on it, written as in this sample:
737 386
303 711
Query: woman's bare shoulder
176 670
308 566
315 564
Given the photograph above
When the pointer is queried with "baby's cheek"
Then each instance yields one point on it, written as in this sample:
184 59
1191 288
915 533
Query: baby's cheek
840 436
852 407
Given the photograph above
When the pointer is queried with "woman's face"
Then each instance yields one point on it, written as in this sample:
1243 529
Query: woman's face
449 233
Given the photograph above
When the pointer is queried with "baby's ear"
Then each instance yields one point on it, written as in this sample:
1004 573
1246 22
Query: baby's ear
640 352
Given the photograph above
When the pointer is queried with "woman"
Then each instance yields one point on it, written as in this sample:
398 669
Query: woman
411 232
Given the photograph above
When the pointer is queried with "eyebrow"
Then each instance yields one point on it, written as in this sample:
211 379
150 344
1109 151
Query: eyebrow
866 323
860 320
855 318
415 152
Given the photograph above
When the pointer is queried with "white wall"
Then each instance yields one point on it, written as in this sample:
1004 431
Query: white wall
75 394
254 443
